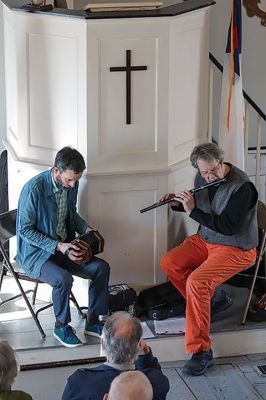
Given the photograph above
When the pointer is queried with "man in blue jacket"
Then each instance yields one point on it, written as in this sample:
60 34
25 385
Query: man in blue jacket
125 350
47 222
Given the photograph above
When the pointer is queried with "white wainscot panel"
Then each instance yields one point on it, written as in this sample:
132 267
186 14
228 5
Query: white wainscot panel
189 91
18 174
11 83
52 91
187 95
114 145
140 136
180 224
135 242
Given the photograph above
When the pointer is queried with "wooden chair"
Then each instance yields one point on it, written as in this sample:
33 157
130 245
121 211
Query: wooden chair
260 252
7 231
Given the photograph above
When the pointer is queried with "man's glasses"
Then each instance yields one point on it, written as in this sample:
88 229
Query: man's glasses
212 171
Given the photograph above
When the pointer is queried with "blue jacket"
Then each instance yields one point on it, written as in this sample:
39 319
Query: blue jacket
37 222
93 383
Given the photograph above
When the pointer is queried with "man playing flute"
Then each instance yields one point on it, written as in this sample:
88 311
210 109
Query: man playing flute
224 245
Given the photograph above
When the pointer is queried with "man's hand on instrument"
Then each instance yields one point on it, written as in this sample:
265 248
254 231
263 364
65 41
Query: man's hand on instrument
187 199
84 249
167 196
72 251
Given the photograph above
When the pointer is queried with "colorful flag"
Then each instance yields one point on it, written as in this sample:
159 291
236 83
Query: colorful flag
232 110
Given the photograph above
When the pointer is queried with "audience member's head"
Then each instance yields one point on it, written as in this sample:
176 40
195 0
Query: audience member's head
131 385
120 338
8 366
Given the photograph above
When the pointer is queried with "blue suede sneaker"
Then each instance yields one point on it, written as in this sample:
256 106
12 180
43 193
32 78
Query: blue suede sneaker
66 336
93 329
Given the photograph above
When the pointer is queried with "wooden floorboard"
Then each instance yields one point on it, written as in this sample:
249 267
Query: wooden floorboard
261 390
201 387
178 388
230 384
226 380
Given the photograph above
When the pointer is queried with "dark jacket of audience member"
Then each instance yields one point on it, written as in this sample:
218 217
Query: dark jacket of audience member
124 349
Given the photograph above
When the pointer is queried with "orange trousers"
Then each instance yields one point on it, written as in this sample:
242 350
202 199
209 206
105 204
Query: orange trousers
196 268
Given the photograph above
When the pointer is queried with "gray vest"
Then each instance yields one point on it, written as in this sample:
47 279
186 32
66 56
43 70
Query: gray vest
247 237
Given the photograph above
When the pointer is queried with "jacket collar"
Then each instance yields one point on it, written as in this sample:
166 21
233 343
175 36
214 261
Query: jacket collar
48 182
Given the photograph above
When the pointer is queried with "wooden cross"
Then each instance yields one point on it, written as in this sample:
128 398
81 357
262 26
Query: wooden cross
128 68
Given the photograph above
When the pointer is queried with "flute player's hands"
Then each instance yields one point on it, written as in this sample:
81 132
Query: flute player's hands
167 196
187 199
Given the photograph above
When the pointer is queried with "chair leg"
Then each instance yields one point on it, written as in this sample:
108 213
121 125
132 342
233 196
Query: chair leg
34 294
253 281
37 322
73 298
2 273
44 308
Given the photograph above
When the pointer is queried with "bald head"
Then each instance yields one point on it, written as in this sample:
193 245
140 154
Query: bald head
120 338
132 385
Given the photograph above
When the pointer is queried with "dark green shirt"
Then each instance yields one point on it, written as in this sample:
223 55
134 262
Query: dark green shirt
15 395
61 202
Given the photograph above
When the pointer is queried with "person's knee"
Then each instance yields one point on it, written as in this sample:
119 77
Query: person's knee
166 263
194 285
65 280
104 268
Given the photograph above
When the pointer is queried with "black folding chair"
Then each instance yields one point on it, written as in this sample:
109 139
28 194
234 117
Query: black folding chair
260 253
10 268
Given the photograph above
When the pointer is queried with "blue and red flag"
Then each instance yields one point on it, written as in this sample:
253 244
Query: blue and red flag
234 46
234 38
232 111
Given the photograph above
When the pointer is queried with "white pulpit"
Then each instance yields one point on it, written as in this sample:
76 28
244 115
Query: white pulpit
131 94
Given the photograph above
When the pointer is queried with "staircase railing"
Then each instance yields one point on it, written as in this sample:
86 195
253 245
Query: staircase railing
250 105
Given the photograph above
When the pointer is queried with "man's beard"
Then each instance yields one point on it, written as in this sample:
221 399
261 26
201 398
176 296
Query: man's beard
59 183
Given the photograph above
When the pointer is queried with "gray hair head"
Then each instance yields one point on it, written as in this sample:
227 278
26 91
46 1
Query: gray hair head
207 152
132 385
120 337
8 366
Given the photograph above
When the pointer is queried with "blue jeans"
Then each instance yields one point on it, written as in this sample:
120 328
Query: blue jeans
58 271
